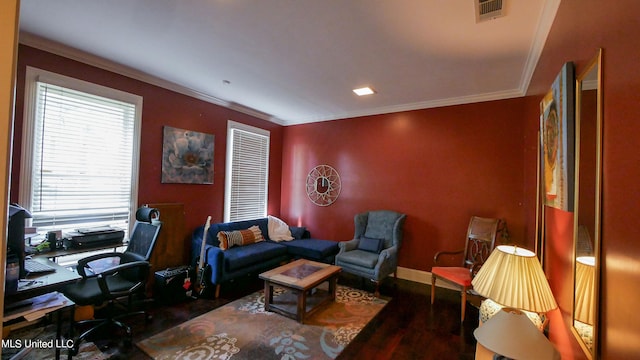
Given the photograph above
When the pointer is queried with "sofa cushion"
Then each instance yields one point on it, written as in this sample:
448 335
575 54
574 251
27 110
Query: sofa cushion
370 244
360 258
229 239
313 249
239 257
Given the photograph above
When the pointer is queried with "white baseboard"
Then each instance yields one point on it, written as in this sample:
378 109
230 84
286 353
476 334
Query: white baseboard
420 276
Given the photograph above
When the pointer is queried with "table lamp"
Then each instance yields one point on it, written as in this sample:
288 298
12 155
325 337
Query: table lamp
512 335
513 277
585 286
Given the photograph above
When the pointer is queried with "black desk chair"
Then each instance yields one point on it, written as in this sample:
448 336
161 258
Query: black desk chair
114 284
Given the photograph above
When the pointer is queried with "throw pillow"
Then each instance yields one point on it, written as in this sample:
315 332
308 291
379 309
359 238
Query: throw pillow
370 244
229 239
297 231
278 229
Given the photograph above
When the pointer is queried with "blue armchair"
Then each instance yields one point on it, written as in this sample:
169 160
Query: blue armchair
373 252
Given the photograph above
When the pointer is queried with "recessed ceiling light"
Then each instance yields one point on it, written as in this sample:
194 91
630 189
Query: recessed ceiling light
364 91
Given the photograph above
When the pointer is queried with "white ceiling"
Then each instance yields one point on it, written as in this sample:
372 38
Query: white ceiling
296 61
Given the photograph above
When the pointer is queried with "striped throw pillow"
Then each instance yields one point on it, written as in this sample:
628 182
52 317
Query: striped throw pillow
229 239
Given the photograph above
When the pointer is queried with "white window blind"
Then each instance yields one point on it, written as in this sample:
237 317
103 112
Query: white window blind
247 176
83 169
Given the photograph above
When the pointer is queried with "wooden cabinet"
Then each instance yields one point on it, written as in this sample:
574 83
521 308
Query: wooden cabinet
171 248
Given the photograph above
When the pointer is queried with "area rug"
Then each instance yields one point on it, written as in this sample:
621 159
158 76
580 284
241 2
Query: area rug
87 351
243 330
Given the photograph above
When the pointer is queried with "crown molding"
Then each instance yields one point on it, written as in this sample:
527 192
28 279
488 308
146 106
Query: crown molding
547 16
104 64
498 95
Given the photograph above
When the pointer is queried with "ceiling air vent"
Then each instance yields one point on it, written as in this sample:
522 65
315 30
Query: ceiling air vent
488 10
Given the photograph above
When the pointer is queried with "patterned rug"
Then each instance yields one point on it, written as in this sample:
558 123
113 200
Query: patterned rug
243 330
87 351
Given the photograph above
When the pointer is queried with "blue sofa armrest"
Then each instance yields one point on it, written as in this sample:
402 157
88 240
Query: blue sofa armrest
213 256
215 259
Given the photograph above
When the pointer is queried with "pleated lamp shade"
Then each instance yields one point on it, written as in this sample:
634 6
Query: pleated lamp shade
513 277
510 333
585 286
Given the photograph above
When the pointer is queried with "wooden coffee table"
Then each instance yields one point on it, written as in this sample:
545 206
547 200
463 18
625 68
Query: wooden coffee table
300 279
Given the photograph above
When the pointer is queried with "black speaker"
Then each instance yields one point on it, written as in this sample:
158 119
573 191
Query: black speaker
173 285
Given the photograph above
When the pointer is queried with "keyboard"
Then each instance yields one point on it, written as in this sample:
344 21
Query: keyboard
34 267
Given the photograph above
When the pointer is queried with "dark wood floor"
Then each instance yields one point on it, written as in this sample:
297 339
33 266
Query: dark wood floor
409 327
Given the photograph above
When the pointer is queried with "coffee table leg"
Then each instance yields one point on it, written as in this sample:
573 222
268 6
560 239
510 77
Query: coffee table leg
268 295
332 287
302 305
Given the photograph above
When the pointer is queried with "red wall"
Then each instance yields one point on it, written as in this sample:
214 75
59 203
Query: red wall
439 166
579 29
161 107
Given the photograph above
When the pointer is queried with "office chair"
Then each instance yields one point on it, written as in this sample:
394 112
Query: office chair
124 281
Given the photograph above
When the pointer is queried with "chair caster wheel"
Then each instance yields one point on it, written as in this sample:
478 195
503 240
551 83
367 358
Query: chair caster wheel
148 317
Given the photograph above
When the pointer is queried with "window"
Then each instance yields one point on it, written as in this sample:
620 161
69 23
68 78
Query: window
80 153
247 172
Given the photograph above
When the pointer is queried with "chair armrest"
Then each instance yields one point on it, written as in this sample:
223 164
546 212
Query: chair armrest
130 265
83 263
450 253
387 262
388 253
348 245
102 277
474 268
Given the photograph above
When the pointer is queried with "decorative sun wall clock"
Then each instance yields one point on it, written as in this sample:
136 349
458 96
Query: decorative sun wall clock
323 185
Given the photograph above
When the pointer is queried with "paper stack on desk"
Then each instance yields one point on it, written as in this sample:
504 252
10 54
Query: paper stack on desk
37 307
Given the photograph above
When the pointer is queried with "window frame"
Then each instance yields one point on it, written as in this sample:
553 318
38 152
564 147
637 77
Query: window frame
35 75
229 168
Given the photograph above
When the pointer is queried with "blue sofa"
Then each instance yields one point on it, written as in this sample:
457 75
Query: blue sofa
238 261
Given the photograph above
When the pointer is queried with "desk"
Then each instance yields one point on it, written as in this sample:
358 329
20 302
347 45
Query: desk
38 284
75 251
33 310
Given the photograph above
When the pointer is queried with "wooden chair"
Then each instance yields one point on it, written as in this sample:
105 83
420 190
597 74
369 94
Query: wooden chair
481 238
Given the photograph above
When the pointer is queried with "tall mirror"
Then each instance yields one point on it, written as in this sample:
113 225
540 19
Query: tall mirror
587 204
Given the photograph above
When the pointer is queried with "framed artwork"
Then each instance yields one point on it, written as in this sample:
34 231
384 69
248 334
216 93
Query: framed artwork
557 126
539 239
187 156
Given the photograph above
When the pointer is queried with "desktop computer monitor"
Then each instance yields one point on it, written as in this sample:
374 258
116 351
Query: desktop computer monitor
15 236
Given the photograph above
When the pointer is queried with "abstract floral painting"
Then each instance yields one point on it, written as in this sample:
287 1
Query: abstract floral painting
187 156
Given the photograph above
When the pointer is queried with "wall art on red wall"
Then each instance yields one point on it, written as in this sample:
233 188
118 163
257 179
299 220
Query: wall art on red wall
557 125
323 185
187 156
